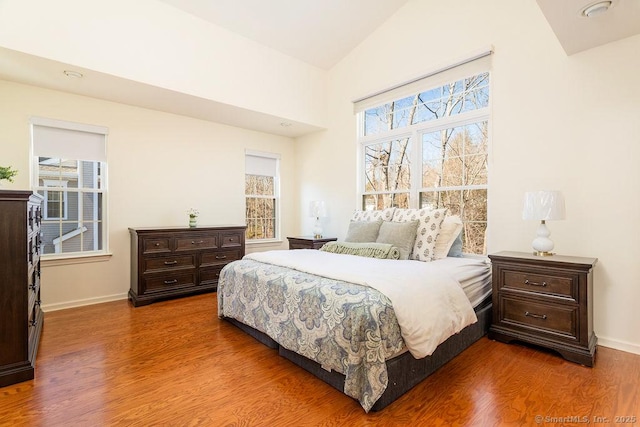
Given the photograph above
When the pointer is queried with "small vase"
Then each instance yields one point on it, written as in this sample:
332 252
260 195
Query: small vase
193 221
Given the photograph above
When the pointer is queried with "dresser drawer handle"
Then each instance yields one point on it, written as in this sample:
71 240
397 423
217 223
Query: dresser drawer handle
536 316
171 282
221 256
193 242
174 262
157 244
527 282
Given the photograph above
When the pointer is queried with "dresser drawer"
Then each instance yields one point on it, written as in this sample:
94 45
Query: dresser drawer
153 245
231 239
33 293
34 318
168 263
197 241
549 284
209 258
210 275
170 281
547 318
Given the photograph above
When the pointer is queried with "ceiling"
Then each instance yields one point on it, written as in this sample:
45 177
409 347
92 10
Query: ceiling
320 33
317 32
577 33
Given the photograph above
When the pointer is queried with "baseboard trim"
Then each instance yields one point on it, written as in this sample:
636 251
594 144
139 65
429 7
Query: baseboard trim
619 345
83 302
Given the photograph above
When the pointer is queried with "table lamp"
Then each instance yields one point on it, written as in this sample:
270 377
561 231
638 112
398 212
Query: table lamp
543 206
317 210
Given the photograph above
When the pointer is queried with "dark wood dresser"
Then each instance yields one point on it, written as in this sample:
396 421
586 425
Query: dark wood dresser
547 301
308 242
21 317
177 261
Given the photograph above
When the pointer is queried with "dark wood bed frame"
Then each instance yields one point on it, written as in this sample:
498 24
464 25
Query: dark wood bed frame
404 371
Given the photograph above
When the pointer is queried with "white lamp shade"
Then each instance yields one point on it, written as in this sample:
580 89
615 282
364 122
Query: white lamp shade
317 209
543 205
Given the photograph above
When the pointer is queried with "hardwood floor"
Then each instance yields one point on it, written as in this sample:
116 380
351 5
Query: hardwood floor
175 363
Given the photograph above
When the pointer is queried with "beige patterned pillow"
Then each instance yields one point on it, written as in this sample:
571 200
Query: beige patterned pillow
384 214
428 230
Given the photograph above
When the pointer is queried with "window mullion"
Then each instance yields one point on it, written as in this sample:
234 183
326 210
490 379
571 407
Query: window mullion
416 170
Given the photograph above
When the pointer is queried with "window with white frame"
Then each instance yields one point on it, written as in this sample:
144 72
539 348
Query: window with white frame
69 170
55 202
429 149
262 196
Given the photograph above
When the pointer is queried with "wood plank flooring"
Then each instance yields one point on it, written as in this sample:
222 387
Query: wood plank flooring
175 363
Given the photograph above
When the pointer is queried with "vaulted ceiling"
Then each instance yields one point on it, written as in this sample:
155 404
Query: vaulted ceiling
319 33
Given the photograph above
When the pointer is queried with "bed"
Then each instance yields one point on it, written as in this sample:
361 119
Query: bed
333 315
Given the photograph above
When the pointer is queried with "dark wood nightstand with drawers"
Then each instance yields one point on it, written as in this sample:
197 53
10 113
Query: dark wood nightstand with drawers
547 301
309 242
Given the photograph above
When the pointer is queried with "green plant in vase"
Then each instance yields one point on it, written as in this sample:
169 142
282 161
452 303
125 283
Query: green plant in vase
193 217
7 173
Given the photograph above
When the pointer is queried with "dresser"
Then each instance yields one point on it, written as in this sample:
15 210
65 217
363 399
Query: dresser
546 301
21 317
308 242
173 261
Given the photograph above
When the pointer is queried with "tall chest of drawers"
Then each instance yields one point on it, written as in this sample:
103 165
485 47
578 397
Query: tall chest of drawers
172 262
547 301
21 317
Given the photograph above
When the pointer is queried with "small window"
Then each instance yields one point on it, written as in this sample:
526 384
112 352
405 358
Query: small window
55 201
262 196
70 165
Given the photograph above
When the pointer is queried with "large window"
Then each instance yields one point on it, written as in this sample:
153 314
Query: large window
430 149
262 196
70 172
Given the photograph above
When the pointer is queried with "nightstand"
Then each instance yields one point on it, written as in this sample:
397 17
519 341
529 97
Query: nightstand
547 301
308 242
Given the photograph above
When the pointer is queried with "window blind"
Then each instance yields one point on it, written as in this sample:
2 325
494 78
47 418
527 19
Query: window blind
264 164
471 64
65 140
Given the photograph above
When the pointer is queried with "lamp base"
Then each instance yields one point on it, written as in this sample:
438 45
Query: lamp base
317 229
542 244
543 253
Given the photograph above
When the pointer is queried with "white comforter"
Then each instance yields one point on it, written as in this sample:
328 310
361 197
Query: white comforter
429 304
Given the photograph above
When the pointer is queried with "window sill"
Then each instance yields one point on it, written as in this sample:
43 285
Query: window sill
55 260
263 242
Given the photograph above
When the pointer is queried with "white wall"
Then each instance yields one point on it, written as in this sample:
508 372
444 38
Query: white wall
565 123
151 42
159 166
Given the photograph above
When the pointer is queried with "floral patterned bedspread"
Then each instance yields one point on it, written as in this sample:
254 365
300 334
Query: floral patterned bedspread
342 326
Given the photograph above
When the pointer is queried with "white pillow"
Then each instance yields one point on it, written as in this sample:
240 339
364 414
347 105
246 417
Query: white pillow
450 229
428 230
384 214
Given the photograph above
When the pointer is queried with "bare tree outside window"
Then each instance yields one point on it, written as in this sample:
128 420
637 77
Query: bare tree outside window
260 207
450 160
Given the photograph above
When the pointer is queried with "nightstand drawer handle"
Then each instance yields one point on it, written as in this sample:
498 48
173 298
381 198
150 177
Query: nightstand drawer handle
193 242
221 256
527 282
537 316
170 262
171 282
